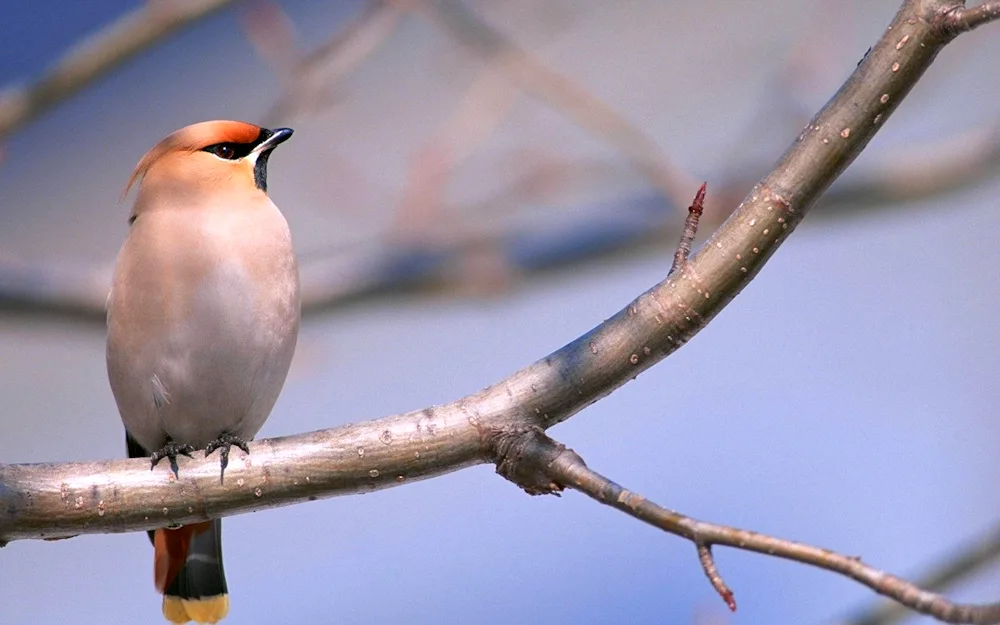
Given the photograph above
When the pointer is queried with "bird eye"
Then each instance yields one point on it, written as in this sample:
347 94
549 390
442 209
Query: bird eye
224 150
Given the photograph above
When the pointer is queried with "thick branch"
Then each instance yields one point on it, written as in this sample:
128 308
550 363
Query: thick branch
56 500
99 54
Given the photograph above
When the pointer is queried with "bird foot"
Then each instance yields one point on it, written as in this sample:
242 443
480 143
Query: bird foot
171 450
223 443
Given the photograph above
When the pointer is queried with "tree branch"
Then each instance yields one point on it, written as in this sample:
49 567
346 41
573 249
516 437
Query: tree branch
505 423
541 395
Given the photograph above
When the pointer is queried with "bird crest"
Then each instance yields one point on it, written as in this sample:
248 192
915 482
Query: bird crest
192 139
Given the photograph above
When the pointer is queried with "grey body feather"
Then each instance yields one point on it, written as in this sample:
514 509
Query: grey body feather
203 318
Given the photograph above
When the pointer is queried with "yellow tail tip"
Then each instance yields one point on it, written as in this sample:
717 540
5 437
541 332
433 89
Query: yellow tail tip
206 610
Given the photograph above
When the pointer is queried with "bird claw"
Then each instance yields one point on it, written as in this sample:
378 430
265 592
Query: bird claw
223 443
170 450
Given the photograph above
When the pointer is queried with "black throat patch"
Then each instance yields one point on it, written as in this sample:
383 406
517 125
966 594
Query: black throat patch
260 168
260 171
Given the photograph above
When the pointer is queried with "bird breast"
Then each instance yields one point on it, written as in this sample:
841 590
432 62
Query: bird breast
202 322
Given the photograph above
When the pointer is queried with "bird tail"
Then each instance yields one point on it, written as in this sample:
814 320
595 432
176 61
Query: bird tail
188 571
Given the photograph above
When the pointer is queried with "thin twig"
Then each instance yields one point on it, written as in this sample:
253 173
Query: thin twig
713 575
690 230
568 470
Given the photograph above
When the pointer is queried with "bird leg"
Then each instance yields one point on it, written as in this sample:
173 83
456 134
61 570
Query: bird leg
170 450
223 443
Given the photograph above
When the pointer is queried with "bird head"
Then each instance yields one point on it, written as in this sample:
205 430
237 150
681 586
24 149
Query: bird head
208 157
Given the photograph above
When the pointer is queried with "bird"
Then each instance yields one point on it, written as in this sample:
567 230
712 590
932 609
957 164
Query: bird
203 319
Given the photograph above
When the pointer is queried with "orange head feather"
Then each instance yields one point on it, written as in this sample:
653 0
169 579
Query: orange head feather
203 153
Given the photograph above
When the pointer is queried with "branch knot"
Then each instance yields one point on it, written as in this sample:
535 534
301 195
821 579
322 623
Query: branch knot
523 455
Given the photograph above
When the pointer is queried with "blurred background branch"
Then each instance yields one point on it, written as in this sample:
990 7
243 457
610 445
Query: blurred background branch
98 54
479 251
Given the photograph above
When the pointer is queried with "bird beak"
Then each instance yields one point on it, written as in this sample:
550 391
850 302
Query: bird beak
277 136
